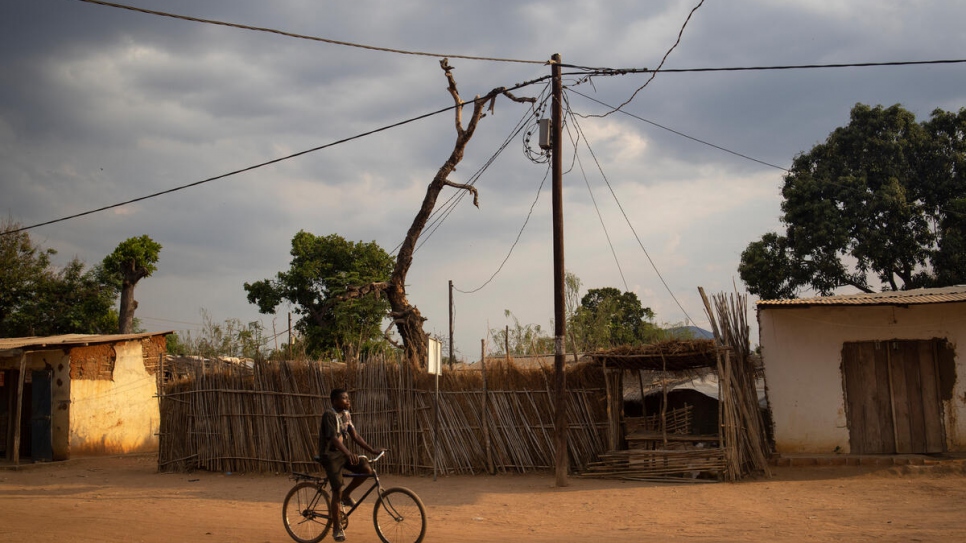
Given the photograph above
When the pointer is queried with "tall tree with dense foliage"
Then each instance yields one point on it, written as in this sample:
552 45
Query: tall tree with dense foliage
323 269
608 318
76 300
879 204
23 267
132 260
37 299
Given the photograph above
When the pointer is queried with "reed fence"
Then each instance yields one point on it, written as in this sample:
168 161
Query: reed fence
492 418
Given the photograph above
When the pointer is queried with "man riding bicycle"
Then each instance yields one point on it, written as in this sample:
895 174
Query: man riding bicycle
335 456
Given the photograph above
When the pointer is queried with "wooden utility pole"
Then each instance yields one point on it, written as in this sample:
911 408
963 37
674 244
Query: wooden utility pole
452 360
559 286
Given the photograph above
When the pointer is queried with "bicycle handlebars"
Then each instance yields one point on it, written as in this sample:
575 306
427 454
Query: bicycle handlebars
376 459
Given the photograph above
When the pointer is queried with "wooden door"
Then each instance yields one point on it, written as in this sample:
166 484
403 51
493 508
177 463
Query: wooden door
41 448
893 396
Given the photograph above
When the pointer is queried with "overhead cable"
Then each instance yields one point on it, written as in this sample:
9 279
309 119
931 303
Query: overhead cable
600 217
673 131
273 161
458 197
305 37
627 219
441 212
586 70
517 240
663 60
229 174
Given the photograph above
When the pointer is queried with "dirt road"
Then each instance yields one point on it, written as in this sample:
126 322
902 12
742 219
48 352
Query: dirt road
125 499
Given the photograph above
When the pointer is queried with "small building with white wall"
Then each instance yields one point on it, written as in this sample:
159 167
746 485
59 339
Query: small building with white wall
79 394
878 373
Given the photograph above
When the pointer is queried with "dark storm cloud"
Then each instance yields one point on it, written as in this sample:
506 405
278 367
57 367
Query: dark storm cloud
99 105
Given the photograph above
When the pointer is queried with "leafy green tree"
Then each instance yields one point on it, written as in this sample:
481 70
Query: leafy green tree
945 195
572 286
608 318
24 266
230 338
880 201
76 300
322 271
37 299
176 345
521 339
132 260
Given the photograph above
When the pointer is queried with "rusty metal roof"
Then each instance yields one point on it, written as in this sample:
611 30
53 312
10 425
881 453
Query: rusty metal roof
69 340
899 297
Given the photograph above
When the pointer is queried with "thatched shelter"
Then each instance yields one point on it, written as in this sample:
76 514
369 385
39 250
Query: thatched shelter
662 446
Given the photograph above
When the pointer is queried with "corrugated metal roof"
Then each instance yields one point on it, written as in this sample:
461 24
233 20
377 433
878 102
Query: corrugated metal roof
38 342
900 297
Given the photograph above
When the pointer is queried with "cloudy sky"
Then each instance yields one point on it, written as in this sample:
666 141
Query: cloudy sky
100 105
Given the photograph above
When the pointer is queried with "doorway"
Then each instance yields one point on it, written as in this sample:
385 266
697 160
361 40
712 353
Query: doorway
35 439
893 392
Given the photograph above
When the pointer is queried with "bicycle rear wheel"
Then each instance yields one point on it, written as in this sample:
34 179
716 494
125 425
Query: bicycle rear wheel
399 516
305 513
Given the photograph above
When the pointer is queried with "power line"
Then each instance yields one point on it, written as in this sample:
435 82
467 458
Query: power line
589 71
517 240
443 212
682 134
628 220
303 36
663 60
448 208
235 172
484 98
141 317
594 201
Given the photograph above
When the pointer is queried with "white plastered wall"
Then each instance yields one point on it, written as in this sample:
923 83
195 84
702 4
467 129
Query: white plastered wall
118 416
802 353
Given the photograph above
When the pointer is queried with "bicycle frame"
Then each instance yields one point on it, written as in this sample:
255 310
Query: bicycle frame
375 485
399 514
323 481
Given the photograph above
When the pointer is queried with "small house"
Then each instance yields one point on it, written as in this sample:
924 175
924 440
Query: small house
79 394
877 373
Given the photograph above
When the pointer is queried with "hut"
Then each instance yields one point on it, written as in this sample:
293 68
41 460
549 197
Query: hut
79 394
668 445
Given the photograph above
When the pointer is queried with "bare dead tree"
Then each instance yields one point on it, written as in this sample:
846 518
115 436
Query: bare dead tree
405 316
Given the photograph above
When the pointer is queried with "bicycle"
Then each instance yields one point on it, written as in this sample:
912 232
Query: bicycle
398 516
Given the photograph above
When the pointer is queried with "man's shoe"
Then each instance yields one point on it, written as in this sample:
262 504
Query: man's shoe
338 534
348 502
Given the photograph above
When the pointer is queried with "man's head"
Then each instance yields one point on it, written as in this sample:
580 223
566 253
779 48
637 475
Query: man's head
339 398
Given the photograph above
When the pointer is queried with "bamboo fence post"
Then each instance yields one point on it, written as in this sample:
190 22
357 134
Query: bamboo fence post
611 438
664 399
485 418
506 343
640 382
160 387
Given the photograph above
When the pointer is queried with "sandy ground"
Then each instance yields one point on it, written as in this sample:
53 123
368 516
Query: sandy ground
125 499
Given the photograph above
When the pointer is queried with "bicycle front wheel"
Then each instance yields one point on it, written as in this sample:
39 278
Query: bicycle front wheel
399 516
305 513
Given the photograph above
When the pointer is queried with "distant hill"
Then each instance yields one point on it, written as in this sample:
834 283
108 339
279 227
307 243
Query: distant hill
689 332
